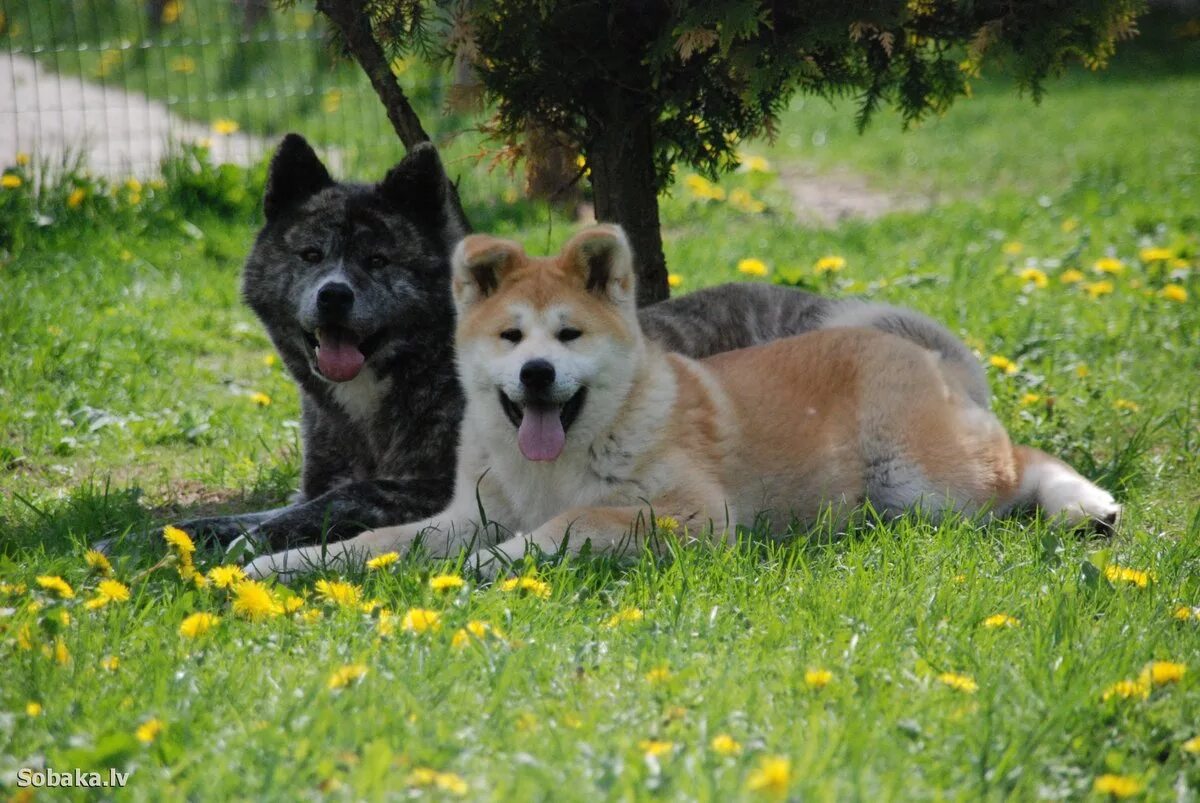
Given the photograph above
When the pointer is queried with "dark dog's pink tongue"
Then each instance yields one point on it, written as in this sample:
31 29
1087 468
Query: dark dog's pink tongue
338 356
541 435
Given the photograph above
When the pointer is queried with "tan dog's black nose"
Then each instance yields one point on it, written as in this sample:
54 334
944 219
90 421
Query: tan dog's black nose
537 375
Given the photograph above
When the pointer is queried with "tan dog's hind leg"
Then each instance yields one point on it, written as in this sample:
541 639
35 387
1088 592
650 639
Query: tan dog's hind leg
1061 492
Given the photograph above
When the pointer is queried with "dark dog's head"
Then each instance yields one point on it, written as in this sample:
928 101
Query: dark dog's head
343 275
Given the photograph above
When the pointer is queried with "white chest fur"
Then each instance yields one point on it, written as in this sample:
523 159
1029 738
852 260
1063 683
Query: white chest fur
361 396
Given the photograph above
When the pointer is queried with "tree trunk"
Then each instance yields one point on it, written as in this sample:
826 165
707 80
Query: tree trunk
353 20
625 189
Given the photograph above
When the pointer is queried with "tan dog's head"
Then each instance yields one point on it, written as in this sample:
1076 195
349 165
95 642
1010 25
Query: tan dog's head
547 345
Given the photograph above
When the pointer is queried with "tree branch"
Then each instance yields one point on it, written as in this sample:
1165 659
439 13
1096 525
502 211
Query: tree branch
353 20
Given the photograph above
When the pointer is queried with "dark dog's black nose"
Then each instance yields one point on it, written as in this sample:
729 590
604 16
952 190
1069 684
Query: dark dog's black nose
335 299
537 374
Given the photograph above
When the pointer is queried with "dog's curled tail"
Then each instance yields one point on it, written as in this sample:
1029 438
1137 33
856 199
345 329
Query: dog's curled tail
920 329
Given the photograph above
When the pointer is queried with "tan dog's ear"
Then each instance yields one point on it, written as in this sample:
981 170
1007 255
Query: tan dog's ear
602 258
479 265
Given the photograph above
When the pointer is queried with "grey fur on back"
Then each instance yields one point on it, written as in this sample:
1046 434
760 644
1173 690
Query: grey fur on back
739 315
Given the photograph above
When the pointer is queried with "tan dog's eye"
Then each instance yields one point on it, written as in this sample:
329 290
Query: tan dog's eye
511 335
569 334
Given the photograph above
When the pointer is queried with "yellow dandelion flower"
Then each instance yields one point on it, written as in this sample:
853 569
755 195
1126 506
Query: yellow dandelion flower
528 585
260 399
998 620
743 201
625 615
1035 277
754 164
1116 785
702 188
1126 689
1082 371
958 682
171 12
185 65
225 126
311 615
1030 398
772 776
1071 276
33 709
1160 673
1109 265
1192 745
674 281
350 673
177 538
110 663
725 745
22 159
198 624
817 678
76 198
269 359
1124 574
655 748
659 674
226 576
667 525
98 561
12 588
342 594
293 603
383 561
475 629
149 730
1126 404
10 181
1098 289
829 264
1155 254
1003 364
752 267
25 638
421 620
1174 292
61 655
1012 248
56 584
108 591
1183 613
443 781
446 582
254 601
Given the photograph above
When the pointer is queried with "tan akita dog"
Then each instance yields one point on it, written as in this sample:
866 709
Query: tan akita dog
577 430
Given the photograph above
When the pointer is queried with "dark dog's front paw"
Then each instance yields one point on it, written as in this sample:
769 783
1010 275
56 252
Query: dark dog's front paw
218 530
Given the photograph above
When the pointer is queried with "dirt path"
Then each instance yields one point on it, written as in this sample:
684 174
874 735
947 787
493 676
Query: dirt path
827 198
58 118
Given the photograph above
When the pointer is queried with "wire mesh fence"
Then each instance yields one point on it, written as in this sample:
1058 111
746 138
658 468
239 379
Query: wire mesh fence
116 84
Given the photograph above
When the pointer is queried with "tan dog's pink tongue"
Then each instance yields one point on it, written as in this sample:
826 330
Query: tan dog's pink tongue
338 356
541 435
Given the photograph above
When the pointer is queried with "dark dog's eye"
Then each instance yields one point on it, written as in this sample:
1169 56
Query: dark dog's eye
312 255
511 335
376 261
569 334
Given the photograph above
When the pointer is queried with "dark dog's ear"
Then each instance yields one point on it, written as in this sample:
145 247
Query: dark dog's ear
600 256
295 175
479 265
419 187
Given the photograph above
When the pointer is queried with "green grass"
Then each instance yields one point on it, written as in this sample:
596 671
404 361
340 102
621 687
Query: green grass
125 399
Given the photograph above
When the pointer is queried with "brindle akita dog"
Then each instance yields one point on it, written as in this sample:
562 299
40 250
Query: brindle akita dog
352 282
